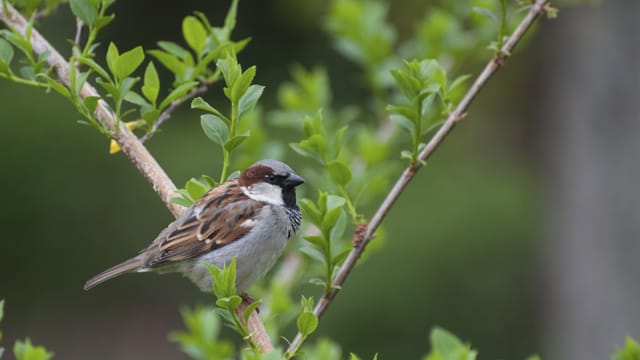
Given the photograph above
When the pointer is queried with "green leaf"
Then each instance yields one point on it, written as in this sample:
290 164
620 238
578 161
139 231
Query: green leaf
338 228
199 103
59 88
128 62
6 52
151 86
91 103
307 323
241 85
1 309
24 350
339 258
317 240
215 129
304 152
112 58
195 34
235 141
196 188
181 201
310 211
631 351
250 308
95 67
339 172
314 254
171 62
85 10
177 93
177 50
334 209
449 347
248 101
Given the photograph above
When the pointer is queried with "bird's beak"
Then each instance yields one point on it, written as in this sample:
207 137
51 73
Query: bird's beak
293 180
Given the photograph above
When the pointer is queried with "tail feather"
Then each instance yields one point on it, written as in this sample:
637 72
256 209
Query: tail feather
122 268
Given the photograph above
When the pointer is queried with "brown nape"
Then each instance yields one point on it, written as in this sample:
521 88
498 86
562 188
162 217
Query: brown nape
254 174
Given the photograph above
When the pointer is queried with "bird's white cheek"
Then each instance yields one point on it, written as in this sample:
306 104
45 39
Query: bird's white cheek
265 192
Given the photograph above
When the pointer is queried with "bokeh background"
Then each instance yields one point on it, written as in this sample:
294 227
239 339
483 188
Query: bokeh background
521 236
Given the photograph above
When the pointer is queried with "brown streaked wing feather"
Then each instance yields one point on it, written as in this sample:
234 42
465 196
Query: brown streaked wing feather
218 223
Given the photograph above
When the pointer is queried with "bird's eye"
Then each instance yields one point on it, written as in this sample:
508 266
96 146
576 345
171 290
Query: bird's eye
270 178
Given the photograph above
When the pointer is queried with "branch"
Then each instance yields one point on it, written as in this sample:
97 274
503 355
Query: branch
129 143
537 8
131 146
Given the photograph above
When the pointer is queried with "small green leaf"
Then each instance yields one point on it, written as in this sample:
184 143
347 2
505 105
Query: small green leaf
177 93
310 211
177 50
317 241
24 350
195 34
215 129
304 152
339 258
59 88
112 58
85 10
250 308
6 52
95 67
195 188
1 309
151 86
314 254
334 210
242 84
135 98
249 99
128 62
235 141
339 172
91 103
307 323
199 103
181 201
631 351
171 62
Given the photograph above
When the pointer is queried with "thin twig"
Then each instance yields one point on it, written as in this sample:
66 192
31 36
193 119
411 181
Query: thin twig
454 117
166 114
128 142
131 146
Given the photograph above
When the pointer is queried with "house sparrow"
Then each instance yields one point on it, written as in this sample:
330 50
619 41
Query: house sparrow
250 217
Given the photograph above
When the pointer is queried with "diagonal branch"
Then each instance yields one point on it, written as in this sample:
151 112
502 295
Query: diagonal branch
129 143
537 8
131 146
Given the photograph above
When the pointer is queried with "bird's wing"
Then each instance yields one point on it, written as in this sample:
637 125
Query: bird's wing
219 218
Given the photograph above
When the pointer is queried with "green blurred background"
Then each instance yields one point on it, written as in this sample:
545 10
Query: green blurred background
468 243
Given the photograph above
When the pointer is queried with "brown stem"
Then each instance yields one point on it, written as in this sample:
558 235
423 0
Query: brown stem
454 117
256 328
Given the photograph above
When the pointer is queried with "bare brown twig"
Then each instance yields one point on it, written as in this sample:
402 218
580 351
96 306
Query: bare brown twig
537 8
131 146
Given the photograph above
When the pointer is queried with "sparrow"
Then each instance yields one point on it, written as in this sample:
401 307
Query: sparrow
249 218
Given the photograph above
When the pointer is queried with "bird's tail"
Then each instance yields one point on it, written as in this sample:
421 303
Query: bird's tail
122 268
